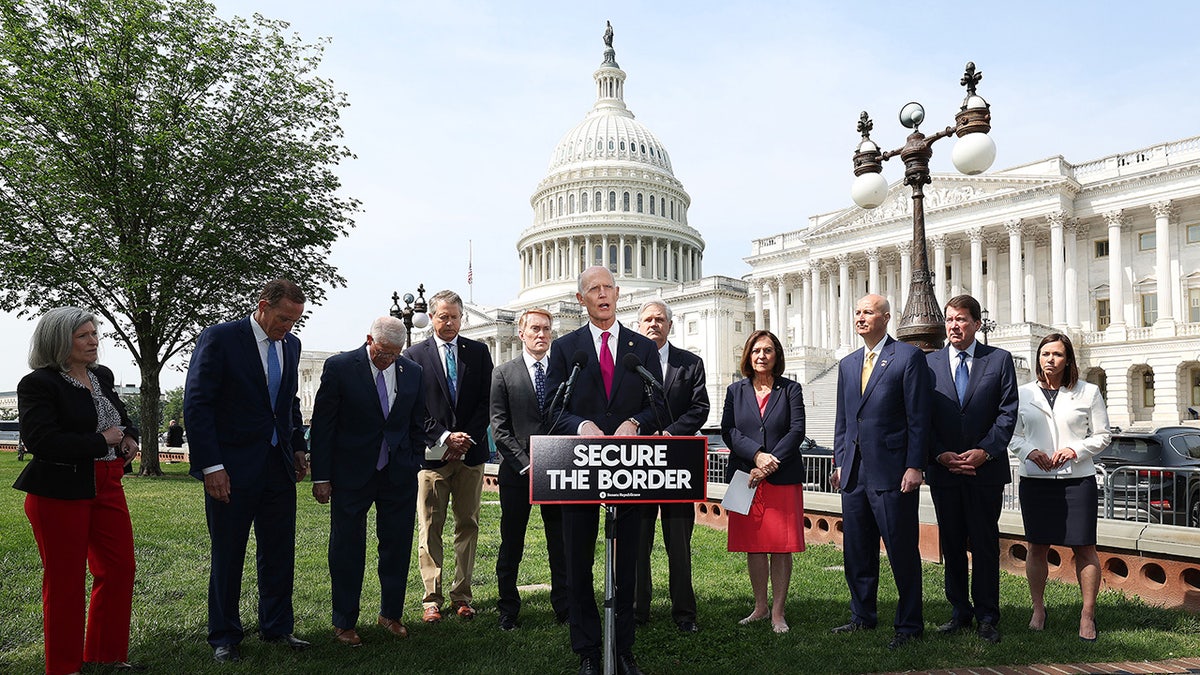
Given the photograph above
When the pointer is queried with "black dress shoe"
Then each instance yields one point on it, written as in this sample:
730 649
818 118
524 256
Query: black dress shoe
590 665
989 632
688 626
627 666
852 627
227 654
508 622
955 626
901 639
289 640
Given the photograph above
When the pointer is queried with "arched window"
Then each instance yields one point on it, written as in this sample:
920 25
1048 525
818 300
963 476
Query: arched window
612 201
612 258
640 210
651 204
622 146
599 201
610 144
600 145
672 209
628 259
598 255
571 203
625 202
560 206
551 208
583 202
643 148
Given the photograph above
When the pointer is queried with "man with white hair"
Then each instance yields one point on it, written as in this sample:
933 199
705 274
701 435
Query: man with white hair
368 441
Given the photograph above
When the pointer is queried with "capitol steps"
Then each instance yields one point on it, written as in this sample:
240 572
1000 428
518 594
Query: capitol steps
820 406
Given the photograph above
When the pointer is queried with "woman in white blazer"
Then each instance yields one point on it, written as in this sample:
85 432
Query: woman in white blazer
1062 423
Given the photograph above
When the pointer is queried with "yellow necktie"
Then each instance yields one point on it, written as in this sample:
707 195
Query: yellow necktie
867 368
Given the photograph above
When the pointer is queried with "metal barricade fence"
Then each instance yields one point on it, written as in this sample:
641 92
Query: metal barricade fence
816 472
1151 494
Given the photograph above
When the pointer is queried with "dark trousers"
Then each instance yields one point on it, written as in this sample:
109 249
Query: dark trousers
678 520
867 515
514 521
581 525
395 514
968 520
269 505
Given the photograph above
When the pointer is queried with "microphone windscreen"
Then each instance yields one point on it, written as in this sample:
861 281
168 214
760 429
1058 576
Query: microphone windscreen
631 362
580 358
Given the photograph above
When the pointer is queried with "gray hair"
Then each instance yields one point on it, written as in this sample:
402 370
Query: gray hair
655 302
52 339
579 283
388 329
446 296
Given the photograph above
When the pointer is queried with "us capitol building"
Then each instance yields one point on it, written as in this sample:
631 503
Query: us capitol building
1107 251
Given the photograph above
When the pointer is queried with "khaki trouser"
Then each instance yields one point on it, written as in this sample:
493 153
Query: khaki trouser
458 487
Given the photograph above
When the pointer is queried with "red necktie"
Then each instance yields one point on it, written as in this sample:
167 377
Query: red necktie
606 364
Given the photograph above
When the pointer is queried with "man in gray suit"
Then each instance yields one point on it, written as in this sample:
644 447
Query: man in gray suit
518 398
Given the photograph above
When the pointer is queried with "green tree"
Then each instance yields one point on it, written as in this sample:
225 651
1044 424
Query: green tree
158 164
172 408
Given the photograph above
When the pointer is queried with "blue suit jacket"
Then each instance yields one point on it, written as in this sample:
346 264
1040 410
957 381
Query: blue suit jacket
985 419
348 424
779 431
228 409
588 400
470 411
888 424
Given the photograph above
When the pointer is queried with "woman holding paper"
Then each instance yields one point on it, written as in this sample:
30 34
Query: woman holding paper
1061 424
763 425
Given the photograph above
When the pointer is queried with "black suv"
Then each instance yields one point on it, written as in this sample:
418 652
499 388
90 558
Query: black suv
1153 476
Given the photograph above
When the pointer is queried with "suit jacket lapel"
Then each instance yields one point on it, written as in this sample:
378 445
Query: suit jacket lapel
939 361
672 369
254 358
885 357
978 368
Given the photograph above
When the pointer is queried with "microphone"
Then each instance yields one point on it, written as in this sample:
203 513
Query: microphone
633 365
578 360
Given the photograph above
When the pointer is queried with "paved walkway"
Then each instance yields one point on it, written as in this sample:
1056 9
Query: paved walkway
1121 668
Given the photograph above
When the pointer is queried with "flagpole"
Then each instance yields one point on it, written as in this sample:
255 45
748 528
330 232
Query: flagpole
470 276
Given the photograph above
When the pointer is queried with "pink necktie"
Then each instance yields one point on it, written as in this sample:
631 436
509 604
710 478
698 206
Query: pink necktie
606 364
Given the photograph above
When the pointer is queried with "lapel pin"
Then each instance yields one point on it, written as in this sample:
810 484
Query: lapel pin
883 363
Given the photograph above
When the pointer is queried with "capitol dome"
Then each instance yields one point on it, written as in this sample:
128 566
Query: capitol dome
610 197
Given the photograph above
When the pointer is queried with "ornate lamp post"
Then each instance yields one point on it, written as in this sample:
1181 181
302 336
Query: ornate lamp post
986 326
414 312
922 324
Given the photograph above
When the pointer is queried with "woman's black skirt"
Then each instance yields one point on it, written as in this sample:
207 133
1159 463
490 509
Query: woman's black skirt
1059 511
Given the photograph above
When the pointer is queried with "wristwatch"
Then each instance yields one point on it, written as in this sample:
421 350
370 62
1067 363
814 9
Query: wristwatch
636 424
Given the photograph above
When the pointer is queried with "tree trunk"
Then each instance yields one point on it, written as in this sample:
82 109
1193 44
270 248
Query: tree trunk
150 420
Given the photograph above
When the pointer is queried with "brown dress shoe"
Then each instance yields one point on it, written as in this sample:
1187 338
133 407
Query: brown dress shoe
346 636
463 610
432 615
394 627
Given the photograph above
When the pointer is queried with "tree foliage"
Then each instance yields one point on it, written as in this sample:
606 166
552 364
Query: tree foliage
158 164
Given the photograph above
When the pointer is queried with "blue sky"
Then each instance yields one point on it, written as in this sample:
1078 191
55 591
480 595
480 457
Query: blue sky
456 107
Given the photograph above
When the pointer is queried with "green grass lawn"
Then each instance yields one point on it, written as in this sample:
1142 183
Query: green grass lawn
169 612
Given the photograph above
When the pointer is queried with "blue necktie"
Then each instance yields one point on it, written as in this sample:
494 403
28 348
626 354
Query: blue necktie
274 378
451 373
539 384
962 377
381 388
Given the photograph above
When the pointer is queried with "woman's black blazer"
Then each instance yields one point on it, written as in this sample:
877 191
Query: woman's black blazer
58 425
778 432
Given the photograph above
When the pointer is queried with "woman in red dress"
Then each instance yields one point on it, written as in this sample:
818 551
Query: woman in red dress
763 425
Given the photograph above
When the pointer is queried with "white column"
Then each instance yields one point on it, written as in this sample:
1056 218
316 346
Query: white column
844 307
1162 267
758 304
1031 291
1016 274
975 235
572 257
1071 271
1058 291
1116 273
904 250
604 259
938 241
873 269
621 257
956 285
654 260
781 324
833 317
816 334
803 321
992 300
889 274
587 254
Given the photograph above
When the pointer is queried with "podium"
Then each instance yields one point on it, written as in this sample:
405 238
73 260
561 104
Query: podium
612 470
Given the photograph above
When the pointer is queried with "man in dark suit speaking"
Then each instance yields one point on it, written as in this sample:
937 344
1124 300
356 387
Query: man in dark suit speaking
881 437
606 400
687 402
368 442
974 413
457 375
247 445
519 397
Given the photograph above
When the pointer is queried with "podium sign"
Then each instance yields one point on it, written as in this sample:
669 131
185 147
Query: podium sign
617 469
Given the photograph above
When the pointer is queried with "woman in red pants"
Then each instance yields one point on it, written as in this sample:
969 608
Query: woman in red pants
81 438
